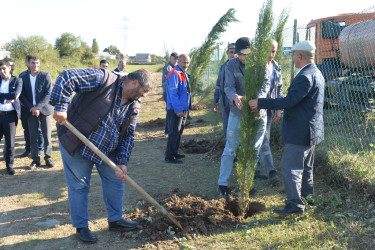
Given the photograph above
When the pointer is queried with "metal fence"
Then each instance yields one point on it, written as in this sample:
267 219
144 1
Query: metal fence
345 54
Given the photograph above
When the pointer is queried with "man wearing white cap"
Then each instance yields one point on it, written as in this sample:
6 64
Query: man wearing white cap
302 129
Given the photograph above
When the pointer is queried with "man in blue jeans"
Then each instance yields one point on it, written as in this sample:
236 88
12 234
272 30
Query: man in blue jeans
234 91
271 88
303 127
105 109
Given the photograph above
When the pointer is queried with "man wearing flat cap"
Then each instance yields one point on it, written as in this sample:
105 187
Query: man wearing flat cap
219 90
234 92
302 128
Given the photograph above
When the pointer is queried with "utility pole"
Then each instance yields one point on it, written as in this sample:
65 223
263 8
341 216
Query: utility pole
125 28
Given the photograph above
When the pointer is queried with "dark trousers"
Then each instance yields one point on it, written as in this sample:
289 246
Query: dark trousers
46 126
26 134
175 129
8 125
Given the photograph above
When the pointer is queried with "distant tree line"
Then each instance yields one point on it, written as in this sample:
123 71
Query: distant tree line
66 46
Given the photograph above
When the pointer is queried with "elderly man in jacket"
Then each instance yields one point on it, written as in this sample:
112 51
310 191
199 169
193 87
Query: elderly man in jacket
302 129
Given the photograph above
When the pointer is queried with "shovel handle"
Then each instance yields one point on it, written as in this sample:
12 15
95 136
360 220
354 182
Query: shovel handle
129 180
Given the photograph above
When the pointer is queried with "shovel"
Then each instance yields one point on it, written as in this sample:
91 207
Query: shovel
110 163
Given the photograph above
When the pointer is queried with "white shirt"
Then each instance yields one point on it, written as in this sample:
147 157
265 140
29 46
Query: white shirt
4 88
32 82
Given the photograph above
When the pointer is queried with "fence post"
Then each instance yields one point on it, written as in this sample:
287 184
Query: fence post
294 42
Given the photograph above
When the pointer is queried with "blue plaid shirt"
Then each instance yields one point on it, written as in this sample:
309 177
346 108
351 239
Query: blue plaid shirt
107 135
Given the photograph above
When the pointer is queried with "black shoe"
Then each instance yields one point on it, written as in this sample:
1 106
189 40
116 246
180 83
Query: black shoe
274 179
223 190
25 153
10 171
34 164
309 200
258 175
179 156
288 209
122 225
86 235
49 163
173 160
252 191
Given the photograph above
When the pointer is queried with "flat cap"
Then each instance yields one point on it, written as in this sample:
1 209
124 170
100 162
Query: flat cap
304 46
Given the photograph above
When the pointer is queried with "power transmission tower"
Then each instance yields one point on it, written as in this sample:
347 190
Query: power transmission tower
125 28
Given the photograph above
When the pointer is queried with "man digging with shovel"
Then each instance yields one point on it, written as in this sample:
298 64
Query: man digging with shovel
105 109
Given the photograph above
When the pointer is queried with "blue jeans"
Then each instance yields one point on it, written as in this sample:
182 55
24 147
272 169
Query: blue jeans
297 170
78 174
229 153
262 143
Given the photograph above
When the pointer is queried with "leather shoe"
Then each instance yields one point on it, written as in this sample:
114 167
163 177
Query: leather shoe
86 235
258 175
34 164
179 156
25 153
274 179
122 225
49 163
10 171
173 160
289 209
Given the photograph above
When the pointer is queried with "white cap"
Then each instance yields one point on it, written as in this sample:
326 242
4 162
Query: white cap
304 46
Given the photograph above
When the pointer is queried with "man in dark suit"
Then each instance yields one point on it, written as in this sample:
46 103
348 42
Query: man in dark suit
35 96
120 70
302 129
10 110
25 125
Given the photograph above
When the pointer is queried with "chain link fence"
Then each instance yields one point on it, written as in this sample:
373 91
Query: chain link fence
345 54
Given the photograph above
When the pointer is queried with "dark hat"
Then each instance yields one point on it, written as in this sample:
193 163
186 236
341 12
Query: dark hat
231 45
174 54
242 45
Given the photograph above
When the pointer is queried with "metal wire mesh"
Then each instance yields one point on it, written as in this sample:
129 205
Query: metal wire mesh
345 55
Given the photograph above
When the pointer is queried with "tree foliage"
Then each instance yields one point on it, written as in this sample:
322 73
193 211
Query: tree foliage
253 80
20 46
200 57
95 46
113 49
68 44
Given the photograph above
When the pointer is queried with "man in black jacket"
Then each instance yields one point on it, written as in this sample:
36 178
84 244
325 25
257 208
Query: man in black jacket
35 95
10 90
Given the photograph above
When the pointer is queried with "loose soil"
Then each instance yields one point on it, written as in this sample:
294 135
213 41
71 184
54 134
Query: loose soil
34 210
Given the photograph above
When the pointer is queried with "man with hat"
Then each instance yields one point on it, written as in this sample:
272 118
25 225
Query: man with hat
166 69
302 129
234 91
219 90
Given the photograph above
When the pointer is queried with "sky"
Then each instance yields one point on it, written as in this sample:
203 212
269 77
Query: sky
151 26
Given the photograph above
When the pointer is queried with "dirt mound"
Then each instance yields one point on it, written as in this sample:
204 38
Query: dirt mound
159 122
197 216
199 107
194 146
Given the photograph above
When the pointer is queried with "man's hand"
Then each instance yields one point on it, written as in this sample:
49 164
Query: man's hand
35 112
181 114
238 101
122 175
253 104
60 117
214 107
276 116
